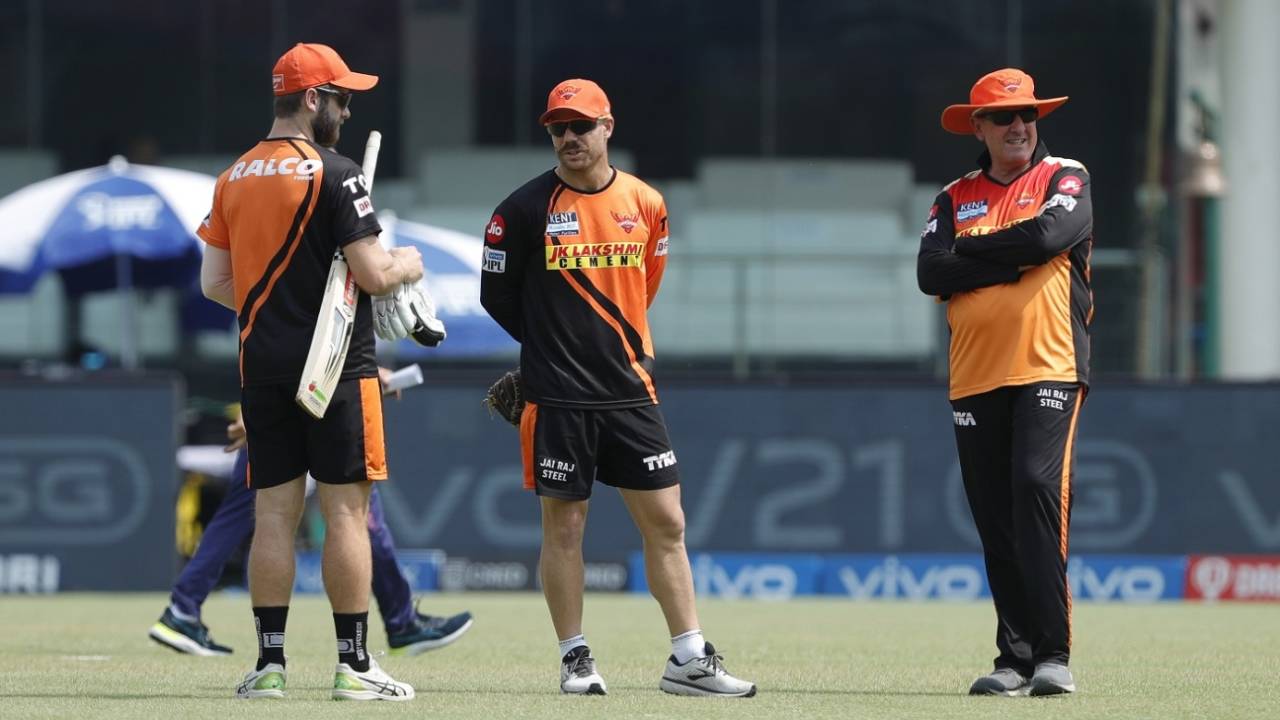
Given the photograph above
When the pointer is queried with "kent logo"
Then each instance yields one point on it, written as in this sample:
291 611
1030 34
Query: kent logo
971 210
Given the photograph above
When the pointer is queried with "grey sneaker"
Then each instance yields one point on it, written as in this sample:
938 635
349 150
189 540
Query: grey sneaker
1004 681
704 676
1052 679
578 674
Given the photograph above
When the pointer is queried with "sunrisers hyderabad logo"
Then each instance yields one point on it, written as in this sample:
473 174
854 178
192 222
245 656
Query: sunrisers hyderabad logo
626 222
1010 83
568 91
494 231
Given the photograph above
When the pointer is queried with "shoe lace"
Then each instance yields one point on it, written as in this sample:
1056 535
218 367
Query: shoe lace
582 666
714 664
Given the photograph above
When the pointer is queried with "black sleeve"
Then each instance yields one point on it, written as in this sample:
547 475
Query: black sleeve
349 206
507 244
1065 219
943 273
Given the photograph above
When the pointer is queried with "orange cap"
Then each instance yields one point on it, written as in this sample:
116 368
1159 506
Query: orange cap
1009 87
573 99
309 65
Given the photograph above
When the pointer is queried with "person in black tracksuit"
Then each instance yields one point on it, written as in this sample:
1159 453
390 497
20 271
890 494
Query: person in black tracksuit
1007 248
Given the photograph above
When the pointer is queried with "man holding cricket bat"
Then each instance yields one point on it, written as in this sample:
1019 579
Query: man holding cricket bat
280 214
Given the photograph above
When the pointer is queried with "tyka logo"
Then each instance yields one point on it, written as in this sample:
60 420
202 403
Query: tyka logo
661 460
964 419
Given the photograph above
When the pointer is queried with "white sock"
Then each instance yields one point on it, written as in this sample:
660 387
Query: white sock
687 646
183 616
570 643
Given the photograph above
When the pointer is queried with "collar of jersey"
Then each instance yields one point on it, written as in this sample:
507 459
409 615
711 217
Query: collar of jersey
984 161
588 192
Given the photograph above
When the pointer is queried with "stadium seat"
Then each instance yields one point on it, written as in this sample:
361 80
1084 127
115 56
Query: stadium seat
755 232
462 218
803 184
207 164
32 325
20 167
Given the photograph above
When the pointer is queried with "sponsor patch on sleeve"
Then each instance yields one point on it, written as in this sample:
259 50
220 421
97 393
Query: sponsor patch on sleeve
363 206
1060 200
494 231
1070 185
663 245
495 261
930 228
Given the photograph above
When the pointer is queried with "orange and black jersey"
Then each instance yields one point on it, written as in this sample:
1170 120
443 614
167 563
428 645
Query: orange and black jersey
1012 261
570 275
282 210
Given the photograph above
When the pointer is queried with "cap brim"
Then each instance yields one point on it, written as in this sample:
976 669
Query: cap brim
356 82
562 114
955 119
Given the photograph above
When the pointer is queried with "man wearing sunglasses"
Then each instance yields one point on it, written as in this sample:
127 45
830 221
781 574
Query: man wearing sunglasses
279 214
1007 248
572 261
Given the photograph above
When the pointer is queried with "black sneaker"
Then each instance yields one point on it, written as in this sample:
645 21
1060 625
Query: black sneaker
428 632
185 637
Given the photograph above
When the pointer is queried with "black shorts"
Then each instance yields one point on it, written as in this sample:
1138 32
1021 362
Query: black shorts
345 446
566 450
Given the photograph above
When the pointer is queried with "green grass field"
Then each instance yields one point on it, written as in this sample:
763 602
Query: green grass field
82 656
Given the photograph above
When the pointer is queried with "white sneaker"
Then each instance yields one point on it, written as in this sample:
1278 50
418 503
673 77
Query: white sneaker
265 683
373 684
578 674
705 676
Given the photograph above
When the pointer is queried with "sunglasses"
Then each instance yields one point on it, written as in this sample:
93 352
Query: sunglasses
1005 117
341 97
579 127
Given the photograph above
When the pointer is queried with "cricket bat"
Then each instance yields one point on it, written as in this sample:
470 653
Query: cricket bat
337 317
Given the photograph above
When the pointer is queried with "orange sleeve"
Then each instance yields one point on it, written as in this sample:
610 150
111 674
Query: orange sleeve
655 260
214 228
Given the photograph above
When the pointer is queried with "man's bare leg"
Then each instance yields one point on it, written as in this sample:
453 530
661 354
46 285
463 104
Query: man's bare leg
347 559
660 518
560 564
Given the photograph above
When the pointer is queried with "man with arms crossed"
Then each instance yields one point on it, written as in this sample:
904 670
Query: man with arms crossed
279 214
572 262
1007 247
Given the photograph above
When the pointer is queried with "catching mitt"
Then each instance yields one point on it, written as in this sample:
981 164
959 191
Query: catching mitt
506 397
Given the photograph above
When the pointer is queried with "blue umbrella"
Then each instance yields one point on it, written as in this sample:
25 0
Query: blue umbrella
81 222
116 226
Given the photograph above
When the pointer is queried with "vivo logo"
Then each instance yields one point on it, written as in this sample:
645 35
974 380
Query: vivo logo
763 581
893 579
70 490
1127 583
